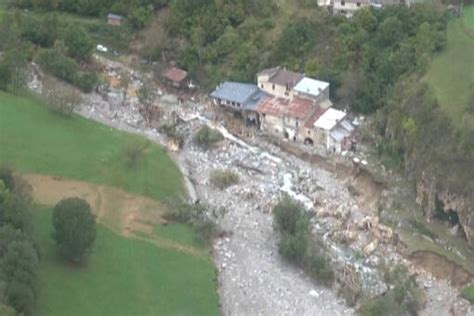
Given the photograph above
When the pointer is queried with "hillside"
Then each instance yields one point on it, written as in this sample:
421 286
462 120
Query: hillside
430 123
451 74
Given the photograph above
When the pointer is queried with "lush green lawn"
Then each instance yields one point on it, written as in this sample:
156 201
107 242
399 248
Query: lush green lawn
123 277
452 72
468 293
35 139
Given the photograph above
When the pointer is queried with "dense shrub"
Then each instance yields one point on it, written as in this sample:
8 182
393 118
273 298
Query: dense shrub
404 298
195 215
171 132
222 179
297 244
86 81
67 69
207 137
74 228
19 256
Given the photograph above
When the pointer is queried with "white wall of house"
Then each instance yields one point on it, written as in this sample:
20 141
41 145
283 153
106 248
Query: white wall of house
348 8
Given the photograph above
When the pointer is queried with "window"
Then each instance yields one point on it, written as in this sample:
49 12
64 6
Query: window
261 86
343 3
309 132
233 103
287 93
358 4
297 123
273 86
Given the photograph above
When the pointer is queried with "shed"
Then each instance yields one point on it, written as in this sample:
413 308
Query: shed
175 76
114 19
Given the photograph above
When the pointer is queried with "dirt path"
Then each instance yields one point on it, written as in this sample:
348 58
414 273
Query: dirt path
129 215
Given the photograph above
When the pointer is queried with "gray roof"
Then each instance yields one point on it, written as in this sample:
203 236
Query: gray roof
114 16
244 93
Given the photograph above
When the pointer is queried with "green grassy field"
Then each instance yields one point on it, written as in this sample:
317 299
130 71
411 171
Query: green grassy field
36 139
451 73
123 277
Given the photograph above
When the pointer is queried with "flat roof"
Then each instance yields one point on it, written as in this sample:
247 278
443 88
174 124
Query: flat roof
311 86
329 119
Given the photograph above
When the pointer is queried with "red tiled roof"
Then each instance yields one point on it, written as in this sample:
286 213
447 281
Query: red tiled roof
297 108
175 74
314 117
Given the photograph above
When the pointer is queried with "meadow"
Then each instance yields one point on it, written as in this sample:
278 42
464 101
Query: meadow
35 139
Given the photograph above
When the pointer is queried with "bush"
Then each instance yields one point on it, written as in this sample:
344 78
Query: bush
67 69
74 228
223 179
86 81
58 65
404 298
296 243
171 132
207 137
468 293
194 215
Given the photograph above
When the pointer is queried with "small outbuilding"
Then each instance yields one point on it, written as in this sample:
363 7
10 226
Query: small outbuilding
114 19
175 77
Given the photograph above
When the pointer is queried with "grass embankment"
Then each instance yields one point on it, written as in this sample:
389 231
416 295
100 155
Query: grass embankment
451 74
35 139
124 277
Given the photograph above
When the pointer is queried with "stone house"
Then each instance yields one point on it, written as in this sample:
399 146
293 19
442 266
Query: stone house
333 130
283 117
278 82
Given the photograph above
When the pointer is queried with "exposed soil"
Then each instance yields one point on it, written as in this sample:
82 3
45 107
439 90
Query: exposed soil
441 267
130 215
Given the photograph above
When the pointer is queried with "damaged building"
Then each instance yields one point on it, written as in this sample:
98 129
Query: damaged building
289 105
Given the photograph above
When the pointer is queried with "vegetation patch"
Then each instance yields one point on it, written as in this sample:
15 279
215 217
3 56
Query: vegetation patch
223 179
404 298
207 137
196 216
468 293
297 244
35 139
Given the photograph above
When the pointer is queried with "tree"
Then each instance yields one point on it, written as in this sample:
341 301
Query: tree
148 110
78 43
61 98
74 228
